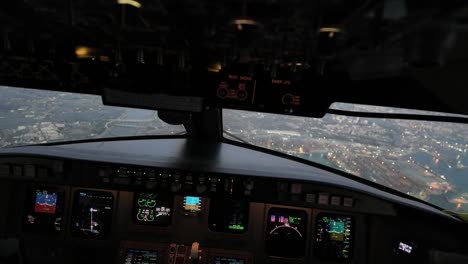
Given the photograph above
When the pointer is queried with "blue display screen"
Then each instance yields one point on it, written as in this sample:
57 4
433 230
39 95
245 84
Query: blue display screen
192 204
192 200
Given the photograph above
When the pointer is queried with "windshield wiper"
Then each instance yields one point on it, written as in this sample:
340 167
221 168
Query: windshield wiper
237 138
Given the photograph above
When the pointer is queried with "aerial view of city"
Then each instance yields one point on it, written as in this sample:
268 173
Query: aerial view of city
427 160
30 116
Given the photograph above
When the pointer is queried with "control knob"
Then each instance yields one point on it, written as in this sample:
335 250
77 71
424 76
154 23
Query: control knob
201 188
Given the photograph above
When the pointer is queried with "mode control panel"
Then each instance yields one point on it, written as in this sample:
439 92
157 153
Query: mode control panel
176 181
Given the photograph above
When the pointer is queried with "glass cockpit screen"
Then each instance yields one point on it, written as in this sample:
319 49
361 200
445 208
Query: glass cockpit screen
286 233
192 204
141 256
333 237
153 209
228 215
44 210
92 214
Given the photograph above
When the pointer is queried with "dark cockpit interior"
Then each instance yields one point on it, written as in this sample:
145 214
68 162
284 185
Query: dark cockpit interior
177 132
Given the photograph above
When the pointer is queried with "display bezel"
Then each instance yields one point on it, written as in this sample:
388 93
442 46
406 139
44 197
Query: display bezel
158 253
289 211
29 209
227 202
351 239
181 206
74 208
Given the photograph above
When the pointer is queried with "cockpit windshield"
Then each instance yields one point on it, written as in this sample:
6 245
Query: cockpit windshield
29 116
427 160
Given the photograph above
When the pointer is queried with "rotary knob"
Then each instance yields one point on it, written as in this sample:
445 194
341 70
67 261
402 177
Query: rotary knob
201 188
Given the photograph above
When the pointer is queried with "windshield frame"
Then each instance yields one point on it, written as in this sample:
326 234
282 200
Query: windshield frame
106 139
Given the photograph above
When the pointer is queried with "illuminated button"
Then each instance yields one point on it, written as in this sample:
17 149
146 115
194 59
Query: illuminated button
335 200
323 198
348 202
310 197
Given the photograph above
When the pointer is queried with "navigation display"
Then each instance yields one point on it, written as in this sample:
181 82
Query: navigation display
333 237
141 256
286 232
153 209
44 210
92 214
228 216
228 260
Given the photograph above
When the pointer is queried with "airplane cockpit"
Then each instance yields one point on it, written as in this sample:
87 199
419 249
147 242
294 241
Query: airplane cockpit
233 132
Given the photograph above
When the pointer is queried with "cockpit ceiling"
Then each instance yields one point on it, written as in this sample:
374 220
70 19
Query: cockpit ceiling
350 42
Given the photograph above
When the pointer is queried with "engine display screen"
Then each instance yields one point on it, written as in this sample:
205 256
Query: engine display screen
92 214
286 233
333 237
192 204
228 260
44 210
141 256
228 216
153 209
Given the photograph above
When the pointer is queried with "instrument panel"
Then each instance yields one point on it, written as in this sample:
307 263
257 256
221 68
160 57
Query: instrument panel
234 216
287 230
266 219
